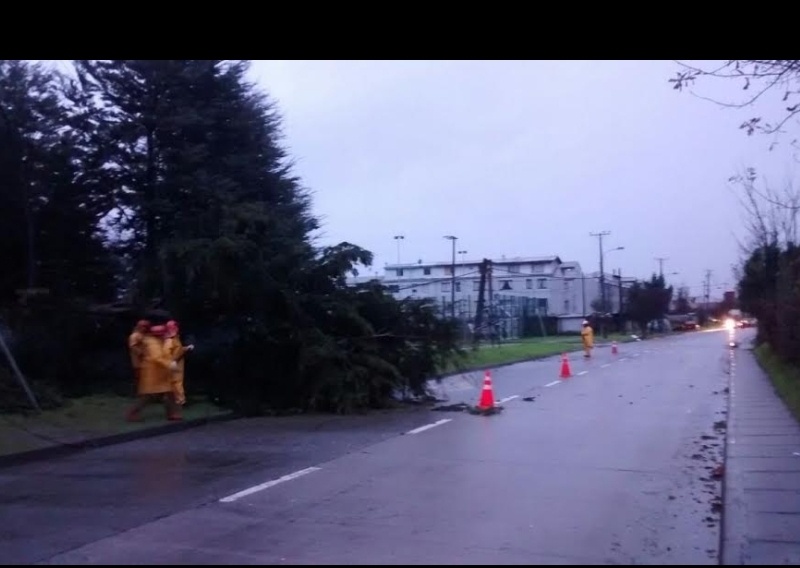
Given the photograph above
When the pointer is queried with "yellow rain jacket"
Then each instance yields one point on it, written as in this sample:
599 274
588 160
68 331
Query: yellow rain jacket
136 349
176 352
587 336
154 377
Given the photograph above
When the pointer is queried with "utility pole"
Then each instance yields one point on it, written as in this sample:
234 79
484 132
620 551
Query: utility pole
484 268
707 287
398 238
600 236
490 280
452 239
660 260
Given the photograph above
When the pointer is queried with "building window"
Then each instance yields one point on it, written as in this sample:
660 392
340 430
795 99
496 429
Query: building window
537 269
426 271
445 286
458 286
513 268
399 271
529 283
506 285
448 270
541 306
541 283
566 306
476 285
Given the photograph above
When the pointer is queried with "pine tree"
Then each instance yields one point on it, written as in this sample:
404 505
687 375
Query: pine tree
49 217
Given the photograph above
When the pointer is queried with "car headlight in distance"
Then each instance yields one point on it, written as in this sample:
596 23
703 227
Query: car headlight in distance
730 325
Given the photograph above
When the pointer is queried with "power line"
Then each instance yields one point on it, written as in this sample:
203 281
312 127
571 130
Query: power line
435 281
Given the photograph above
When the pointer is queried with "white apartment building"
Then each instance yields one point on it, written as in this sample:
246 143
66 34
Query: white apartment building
548 282
547 286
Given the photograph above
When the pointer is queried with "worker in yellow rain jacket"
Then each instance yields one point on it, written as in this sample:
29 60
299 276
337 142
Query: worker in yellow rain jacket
587 338
135 346
176 352
154 375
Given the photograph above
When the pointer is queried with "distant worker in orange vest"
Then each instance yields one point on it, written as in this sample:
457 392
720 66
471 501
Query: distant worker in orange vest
587 337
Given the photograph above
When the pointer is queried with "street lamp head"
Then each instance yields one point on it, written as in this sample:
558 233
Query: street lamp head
399 237
451 237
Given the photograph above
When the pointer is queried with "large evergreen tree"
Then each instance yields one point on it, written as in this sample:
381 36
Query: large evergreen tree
221 235
49 216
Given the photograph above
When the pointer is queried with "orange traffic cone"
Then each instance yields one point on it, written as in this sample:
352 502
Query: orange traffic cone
565 372
614 348
487 394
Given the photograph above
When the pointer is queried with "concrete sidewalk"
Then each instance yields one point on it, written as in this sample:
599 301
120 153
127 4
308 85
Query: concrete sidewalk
762 478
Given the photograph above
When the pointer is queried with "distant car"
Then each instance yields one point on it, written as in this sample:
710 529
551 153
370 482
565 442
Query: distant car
688 325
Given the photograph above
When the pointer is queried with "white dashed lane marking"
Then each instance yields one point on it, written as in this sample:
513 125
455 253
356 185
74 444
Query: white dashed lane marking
429 426
268 484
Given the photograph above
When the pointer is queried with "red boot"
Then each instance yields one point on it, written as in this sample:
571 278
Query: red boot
133 416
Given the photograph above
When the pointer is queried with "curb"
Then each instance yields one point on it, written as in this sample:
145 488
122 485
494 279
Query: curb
91 443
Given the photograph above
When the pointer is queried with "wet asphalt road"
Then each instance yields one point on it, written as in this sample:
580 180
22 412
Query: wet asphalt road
611 466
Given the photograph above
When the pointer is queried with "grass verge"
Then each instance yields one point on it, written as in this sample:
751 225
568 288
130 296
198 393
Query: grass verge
523 350
785 378
85 418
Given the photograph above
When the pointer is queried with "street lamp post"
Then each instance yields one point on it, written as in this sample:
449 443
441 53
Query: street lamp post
452 277
398 238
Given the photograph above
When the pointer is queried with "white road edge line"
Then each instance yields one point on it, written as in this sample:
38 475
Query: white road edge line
603 366
429 426
268 484
582 373
554 383
506 399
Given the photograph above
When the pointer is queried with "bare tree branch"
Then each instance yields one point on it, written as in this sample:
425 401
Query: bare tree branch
771 216
767 74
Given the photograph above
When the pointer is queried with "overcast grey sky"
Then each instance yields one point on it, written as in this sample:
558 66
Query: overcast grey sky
521 158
